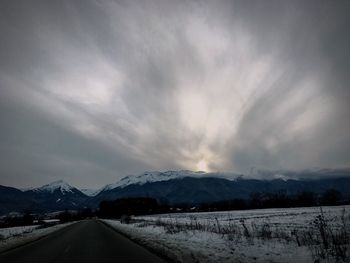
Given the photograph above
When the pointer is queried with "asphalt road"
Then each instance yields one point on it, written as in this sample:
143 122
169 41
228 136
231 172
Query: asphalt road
86 241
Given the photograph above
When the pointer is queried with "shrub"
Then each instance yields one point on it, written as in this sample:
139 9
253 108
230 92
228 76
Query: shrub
326 240
125 219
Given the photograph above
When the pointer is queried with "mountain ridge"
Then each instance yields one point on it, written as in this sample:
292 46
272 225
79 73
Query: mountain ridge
171 187
60 185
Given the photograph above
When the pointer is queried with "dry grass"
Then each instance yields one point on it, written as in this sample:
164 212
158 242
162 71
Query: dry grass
327 239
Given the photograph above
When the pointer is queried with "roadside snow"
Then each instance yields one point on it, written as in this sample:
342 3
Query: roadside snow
198 246
201 237
286 218
16 231
16 236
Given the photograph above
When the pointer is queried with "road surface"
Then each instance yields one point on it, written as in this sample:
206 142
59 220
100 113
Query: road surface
86 241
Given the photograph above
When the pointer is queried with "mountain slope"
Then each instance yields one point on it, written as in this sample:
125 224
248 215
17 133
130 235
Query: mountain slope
56 196
151 177
89 192
59 185
12 199
195 190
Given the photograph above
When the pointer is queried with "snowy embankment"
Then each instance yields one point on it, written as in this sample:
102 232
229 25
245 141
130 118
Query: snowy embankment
16 236
268 235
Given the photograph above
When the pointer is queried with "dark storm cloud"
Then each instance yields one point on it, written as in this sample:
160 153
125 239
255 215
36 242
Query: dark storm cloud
94 90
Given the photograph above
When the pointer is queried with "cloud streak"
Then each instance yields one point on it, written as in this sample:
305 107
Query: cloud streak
92 91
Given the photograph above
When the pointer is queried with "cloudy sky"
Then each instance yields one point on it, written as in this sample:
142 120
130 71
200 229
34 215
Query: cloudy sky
91 91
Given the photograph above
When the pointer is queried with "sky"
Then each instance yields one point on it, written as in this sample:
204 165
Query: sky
92 91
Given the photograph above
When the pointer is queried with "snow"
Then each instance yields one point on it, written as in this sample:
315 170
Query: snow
199 246
60 185
17 236
51 221
16 231
289 218
193 244
156 176
148 177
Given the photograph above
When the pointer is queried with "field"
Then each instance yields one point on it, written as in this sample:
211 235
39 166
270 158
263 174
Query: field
275 235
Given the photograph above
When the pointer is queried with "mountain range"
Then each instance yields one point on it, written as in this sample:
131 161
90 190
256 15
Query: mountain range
174 187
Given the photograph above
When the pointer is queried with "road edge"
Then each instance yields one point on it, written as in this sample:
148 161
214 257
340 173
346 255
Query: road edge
162 254
25 240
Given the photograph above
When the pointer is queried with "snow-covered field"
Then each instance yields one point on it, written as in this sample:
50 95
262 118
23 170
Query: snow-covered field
15 236
266 235
288 219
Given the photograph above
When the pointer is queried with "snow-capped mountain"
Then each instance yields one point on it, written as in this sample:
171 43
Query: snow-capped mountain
151 177
58 195
59 185
156 176
173 187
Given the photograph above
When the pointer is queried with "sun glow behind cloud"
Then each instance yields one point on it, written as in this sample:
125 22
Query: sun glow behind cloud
209 100
202 166
233 75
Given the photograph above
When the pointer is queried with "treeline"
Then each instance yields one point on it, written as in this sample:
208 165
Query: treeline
70 216
279 199
26 219
131 206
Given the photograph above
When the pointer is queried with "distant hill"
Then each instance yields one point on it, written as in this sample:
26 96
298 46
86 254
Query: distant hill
13 200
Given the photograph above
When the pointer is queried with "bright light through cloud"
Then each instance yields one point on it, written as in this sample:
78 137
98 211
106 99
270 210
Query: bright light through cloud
202 166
